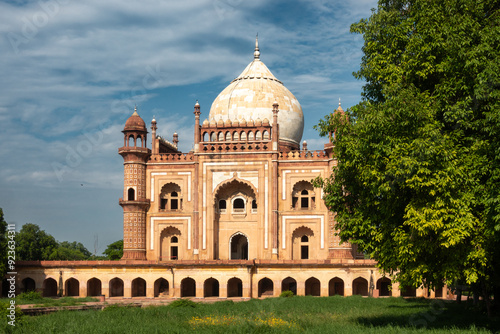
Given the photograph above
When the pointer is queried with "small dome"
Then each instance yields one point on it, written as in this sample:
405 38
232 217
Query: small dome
205 122
243 122
212 123
236 123
135 123
258 122
265 122
250 123
228 122
220 122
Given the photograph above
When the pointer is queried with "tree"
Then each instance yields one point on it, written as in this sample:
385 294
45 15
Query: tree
114 251
3 245
417 180
74 251
33 244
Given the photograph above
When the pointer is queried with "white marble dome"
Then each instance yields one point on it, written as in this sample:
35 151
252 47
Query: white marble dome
251 96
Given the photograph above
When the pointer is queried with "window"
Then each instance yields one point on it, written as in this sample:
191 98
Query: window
254 206
239 205
222 205
303 196
131 194
170 197
304 239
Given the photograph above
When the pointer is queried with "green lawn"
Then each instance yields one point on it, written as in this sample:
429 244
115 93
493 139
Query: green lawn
274 315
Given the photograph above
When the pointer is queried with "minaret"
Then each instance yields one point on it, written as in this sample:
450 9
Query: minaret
134 203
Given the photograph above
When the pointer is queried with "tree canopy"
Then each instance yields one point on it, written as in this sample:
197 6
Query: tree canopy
417 181
114 251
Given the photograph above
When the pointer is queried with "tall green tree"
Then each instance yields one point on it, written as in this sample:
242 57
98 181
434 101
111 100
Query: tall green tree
114 251
34 244
417 181
3 245
74 251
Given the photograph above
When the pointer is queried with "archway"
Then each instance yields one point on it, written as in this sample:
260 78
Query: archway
408 292
72 287
170 244
116 287
336 287
438 292
188 287
266 287
138 287
289 284
94 287
49 287
161 288
360 286
384 286
211 288
234 287
28 284
239 247
302 243
313 287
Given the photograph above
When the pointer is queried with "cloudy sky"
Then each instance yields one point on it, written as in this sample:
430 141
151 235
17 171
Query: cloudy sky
72 71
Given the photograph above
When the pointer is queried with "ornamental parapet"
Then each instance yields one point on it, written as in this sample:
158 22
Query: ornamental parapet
171 157
303 155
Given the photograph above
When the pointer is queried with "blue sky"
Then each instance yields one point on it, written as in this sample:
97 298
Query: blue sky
73 71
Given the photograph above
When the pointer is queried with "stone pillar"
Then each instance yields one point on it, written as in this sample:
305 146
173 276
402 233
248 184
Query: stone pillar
150 290
277 288
396 292
274 193
83 289
301 288
199 289
324 292
222 290
127 289
105 288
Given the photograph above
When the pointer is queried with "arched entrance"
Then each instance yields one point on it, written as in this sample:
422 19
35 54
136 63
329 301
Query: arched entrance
188 287
116 287
170 244
238 247
72 287
211 288
266 287
302 243
313 287
360 286
289 284
138 287
161 288
234 287
28 284
94 287
408 292
49 287
336 287
384 286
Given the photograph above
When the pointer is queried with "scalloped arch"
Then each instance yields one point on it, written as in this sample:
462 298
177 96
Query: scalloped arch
235 180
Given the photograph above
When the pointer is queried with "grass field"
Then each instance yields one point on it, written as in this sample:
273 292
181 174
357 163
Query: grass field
273 315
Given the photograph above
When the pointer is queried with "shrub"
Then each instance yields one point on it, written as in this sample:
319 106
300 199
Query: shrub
183 303
30 296
287 294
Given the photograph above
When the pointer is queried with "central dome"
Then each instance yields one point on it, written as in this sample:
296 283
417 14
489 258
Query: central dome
251 96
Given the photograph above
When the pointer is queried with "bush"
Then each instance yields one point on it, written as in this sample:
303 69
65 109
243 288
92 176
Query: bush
30 296
287 294
183 303
6 315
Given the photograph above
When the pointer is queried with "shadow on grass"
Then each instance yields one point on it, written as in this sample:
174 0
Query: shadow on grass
433 314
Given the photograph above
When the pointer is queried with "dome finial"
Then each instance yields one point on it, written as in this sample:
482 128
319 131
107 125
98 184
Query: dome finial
339 102
256 54
135 111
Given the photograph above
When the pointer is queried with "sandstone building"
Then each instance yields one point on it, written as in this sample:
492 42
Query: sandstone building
235 217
